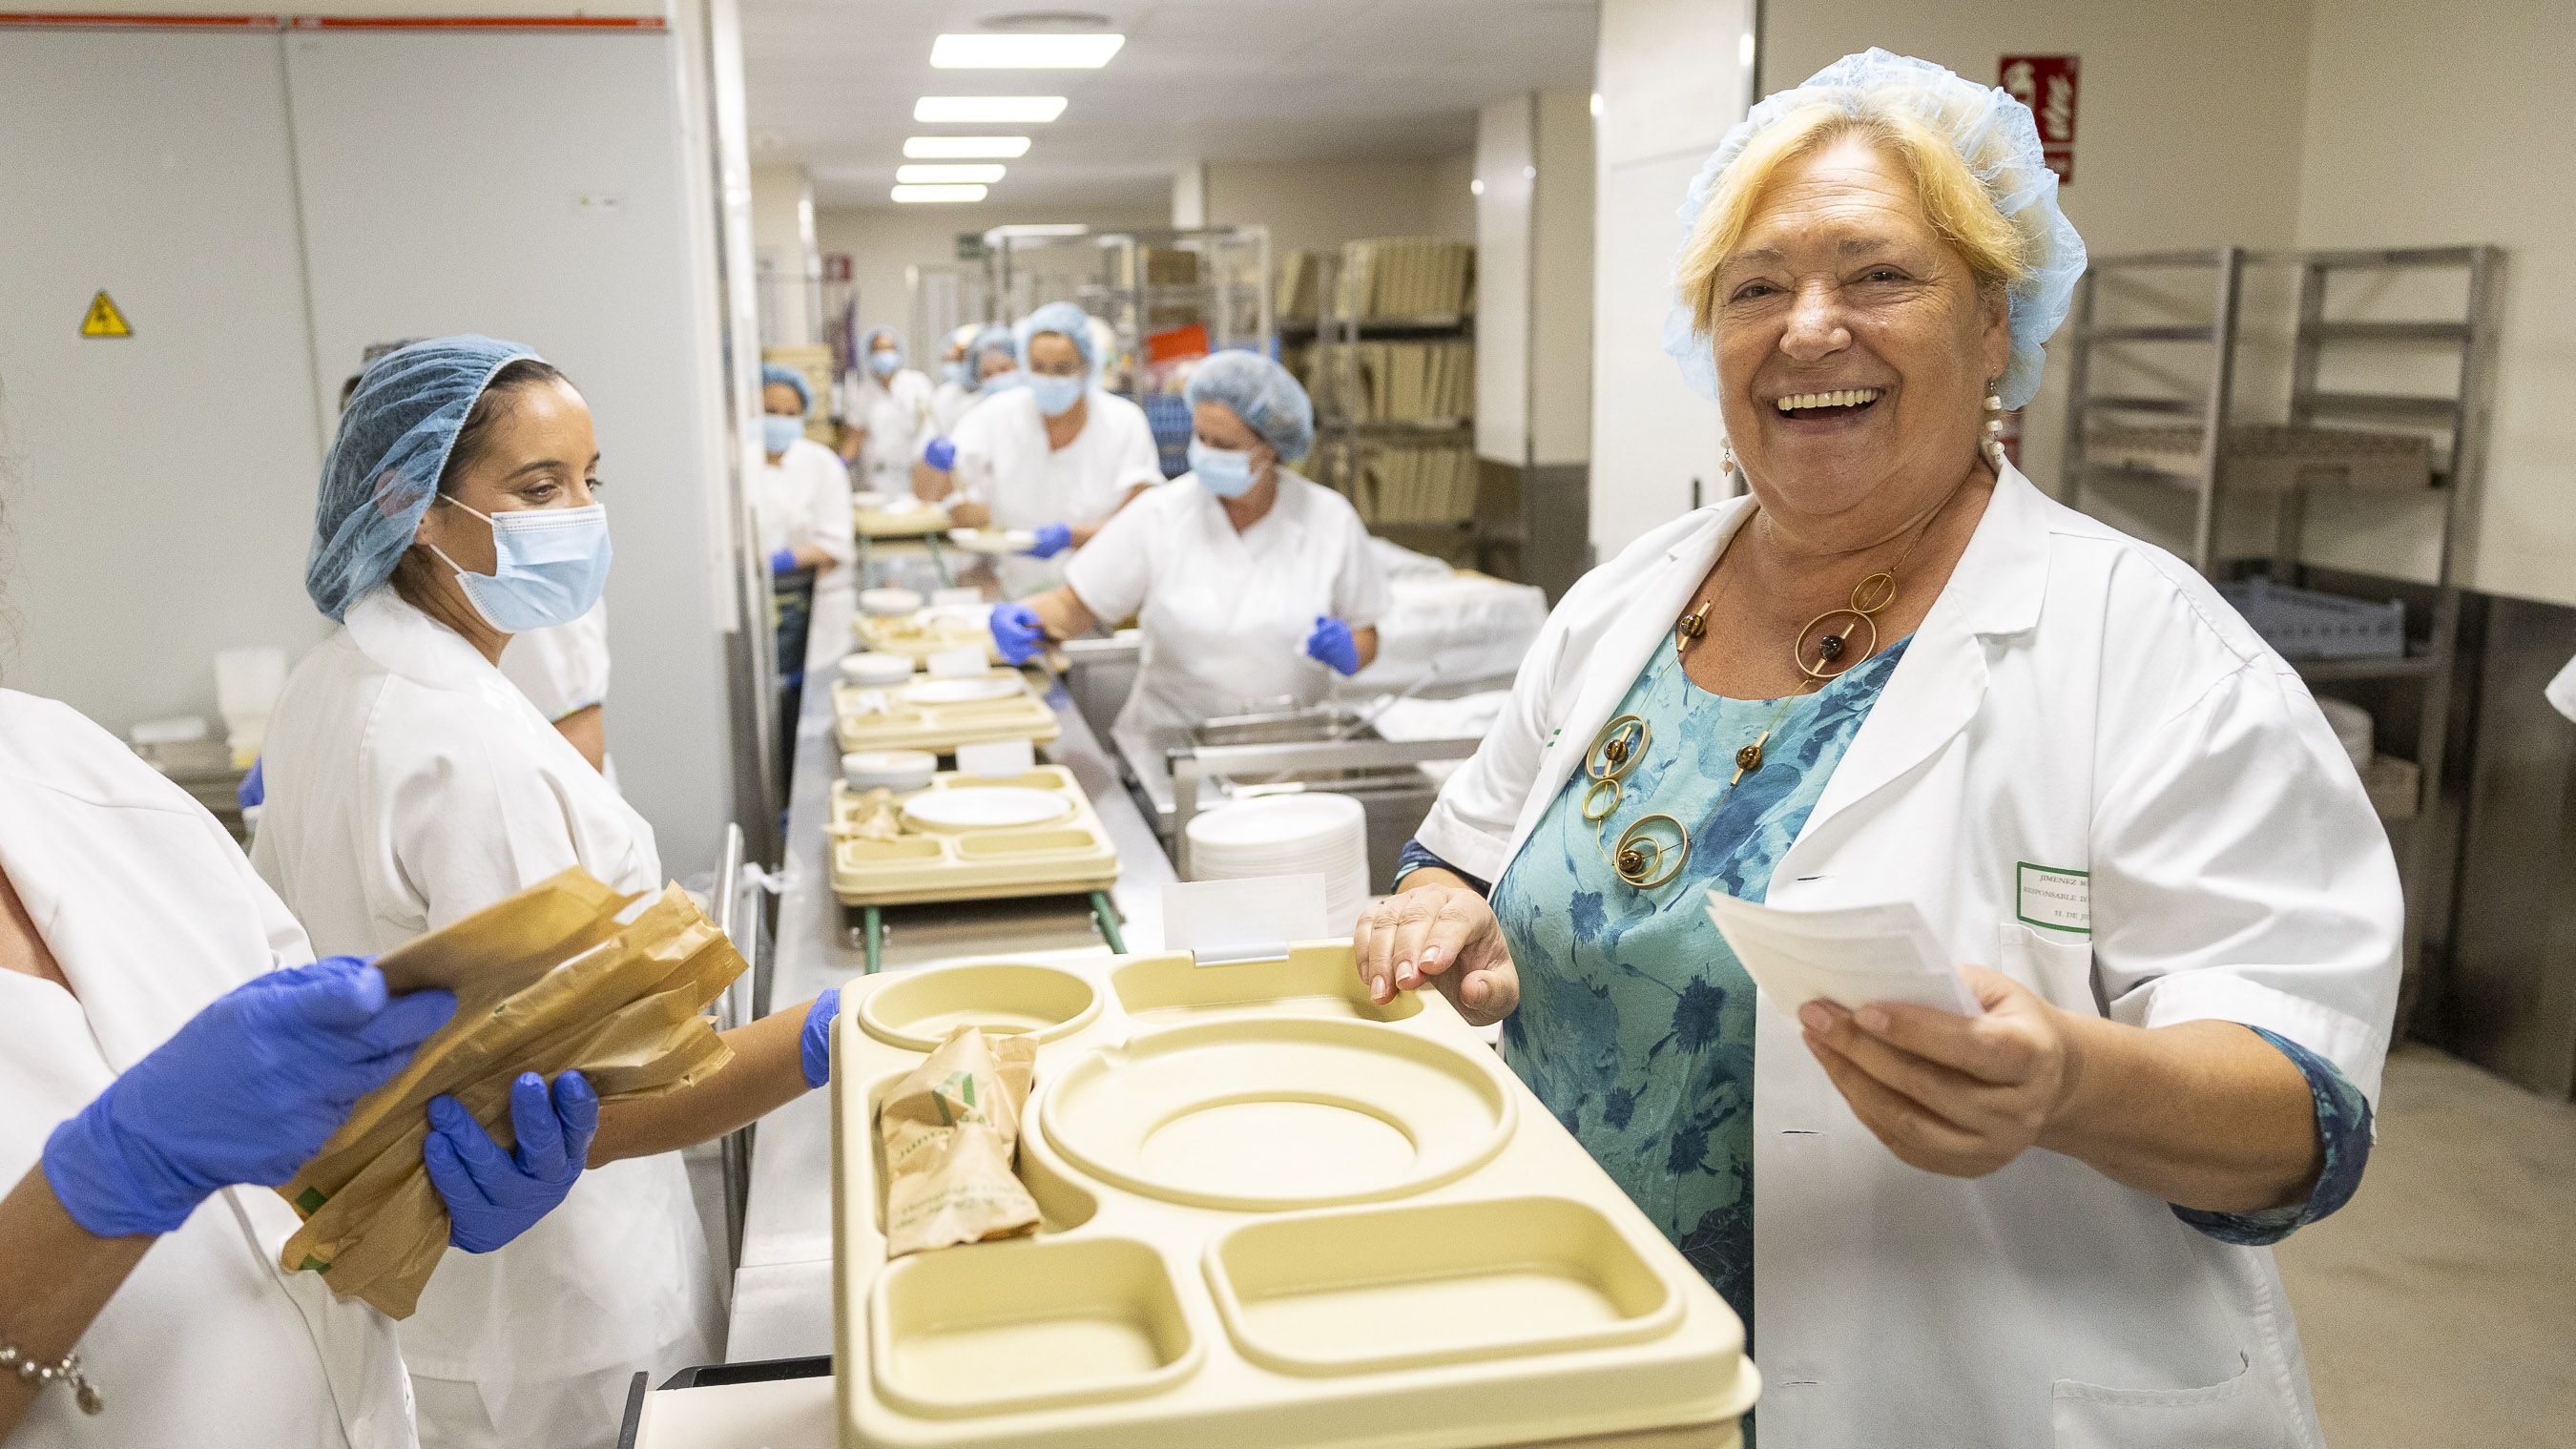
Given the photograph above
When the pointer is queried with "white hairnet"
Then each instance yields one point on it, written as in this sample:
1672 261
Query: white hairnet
774 374
868 343
1065 318
993 337
384 465
963 335
1992 132
1262 393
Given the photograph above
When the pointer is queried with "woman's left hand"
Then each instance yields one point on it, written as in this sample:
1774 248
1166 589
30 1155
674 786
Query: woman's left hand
1960 1095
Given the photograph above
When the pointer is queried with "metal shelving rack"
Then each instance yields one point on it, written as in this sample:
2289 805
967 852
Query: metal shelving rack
2461 418
1338 333
1231 298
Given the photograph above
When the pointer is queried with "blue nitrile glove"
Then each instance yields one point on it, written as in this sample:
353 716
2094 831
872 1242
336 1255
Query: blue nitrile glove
941 454
1017 632
782 562
493 1196
246 1092
816 1043
1332 644
252 792
1053 539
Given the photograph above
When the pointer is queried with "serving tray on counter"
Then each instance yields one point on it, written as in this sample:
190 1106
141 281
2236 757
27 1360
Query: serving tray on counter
1275 1216
923 522
921 635
905 724
1069 855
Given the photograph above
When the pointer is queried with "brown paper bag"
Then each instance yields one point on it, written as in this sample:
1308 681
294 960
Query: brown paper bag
566 974
951 1129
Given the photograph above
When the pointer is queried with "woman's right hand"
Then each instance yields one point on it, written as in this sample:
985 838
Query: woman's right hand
1444 934
247 1091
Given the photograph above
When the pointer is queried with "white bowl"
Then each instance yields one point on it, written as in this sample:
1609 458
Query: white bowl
885 603
877 671
896 770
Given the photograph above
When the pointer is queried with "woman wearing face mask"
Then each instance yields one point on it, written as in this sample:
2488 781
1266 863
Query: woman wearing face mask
1248 581
957 383
1058 456
889 405
801 505
410 784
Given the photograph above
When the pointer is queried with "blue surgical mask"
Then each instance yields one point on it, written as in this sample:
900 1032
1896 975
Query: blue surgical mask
1057 395
549 566
883 364
778 432
1225 472
957 374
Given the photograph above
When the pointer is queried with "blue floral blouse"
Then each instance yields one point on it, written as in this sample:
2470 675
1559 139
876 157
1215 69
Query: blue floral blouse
1635 1025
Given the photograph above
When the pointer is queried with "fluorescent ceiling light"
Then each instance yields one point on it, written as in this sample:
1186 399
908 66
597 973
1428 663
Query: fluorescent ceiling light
965 148
985 171
989 110
938 193
1023 52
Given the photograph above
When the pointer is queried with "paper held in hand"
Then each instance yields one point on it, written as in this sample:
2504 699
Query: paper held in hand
1849 955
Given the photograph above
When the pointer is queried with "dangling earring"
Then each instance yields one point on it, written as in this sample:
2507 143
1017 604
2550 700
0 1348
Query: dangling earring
1726 457
1995 425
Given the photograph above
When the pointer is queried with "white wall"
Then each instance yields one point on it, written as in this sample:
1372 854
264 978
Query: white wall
1506 162
1560 286
2410 143
1317 205
1453 198
784 252
1672 76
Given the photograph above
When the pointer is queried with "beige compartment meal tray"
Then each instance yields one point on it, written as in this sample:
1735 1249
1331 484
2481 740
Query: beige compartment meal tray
919 636
939 728
2271 455
1065 856
1275 1216
900 523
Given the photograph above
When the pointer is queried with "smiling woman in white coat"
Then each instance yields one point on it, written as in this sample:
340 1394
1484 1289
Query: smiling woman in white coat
410 784
1895 671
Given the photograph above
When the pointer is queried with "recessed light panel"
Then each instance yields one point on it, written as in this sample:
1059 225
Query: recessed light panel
988 110
913 195
1023 52
965 148
975 172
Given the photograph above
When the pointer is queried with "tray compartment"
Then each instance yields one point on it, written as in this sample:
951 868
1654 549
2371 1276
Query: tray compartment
1010 1326
920 1010
1261 1114
1434 1284
1313 981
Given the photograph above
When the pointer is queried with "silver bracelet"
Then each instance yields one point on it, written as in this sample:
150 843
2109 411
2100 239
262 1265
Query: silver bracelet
13 1360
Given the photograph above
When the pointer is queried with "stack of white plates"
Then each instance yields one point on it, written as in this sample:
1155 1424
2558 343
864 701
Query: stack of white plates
1325 835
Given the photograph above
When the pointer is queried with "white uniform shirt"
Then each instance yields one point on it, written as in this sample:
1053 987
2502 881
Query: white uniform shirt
562 670
896 413
2082 705
1225 615
948 402
1003 460
151 911
411 784
802 497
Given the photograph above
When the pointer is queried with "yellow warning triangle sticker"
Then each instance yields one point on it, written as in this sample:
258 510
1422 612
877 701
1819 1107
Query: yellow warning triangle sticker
104 320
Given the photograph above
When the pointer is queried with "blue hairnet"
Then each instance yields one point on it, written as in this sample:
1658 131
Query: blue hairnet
1990 130
1262 393
995 337
868 343
384 464
774 375
1066 318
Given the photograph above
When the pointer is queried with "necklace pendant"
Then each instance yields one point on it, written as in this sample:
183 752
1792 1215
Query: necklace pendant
1830 648
1747 760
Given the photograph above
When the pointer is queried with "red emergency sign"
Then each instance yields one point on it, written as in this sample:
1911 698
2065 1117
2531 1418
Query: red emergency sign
2046 84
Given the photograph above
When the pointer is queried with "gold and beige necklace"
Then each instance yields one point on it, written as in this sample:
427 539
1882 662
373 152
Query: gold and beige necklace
1651 852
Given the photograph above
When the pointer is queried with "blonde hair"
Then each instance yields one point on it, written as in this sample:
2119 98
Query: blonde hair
1958 205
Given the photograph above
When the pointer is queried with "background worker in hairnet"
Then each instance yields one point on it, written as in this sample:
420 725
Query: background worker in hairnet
802 506
889 404
410 785
1248 581
992 369
955 389
1056 457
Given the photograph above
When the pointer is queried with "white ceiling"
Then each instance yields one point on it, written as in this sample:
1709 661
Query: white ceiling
831 84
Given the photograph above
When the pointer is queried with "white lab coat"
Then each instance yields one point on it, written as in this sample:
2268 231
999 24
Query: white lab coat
1003 460
803 496
896 413
1225 615
2076 701
564 670
151 911
948 402
2561 692
411 784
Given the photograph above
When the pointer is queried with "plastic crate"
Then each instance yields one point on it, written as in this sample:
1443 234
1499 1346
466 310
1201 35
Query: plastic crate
1168 416
2308 624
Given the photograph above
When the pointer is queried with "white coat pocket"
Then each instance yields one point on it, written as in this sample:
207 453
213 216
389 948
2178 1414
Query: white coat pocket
2056 964
2232 1414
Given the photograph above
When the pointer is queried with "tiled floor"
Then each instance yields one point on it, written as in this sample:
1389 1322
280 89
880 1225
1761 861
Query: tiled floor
2439 1307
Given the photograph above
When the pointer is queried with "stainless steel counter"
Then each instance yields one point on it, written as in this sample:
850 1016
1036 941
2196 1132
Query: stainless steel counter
782 1298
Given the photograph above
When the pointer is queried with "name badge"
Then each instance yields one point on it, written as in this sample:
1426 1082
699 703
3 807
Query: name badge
2054 899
